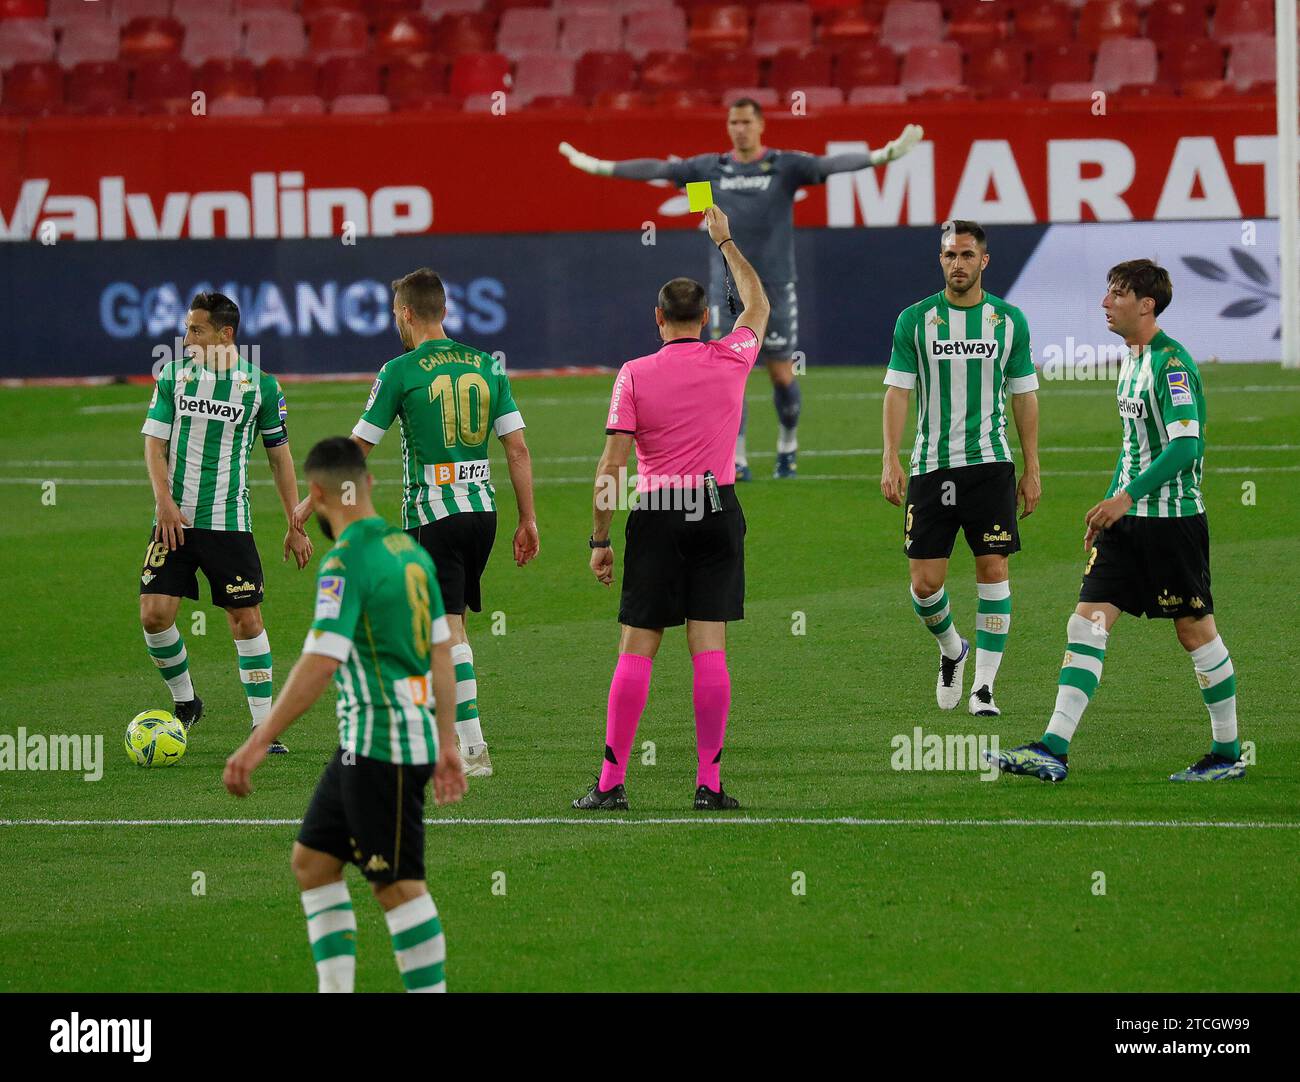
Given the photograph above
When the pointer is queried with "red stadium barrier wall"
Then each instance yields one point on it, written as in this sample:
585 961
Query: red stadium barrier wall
201 177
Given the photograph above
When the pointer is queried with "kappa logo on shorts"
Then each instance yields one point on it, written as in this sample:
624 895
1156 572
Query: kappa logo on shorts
329 597
376 864
1180 390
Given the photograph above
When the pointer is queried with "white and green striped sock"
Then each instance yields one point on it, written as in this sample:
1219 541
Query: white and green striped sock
167 649
992 624
935 613
255 674
469 728
332 930
1218 683
1085 650
419 944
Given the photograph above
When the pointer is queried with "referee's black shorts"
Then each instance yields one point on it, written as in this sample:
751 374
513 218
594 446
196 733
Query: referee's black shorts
681 565
460 545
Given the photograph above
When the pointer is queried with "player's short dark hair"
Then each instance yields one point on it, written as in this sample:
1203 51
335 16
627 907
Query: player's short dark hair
222 311
422 291
965 225
741 103
683 300
337 458
1144 278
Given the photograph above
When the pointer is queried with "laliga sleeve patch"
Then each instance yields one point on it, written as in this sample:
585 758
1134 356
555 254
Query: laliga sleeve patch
329 597
374 391
1180 392
284 410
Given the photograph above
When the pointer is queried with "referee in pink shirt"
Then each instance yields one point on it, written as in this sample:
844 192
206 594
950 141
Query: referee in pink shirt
686 534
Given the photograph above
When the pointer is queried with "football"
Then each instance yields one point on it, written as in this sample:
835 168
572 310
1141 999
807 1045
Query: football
155 738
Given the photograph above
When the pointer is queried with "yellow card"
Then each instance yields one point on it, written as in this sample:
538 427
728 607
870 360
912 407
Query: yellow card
699 195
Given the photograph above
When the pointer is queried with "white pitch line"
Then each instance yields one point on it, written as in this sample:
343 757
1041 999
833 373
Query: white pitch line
849 821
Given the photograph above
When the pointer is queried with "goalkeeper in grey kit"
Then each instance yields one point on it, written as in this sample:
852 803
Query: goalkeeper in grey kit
755 187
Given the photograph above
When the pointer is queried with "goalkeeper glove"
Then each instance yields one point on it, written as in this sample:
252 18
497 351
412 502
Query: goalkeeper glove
896 148
586 162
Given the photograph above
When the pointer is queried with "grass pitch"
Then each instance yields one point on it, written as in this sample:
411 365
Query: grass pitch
911 880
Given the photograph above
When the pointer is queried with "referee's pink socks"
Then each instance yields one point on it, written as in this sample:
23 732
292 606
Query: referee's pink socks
628 691
712 696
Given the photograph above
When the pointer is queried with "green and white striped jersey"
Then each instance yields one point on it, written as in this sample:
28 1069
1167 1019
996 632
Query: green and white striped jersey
210 419
1160 399
962 362
447 398
379 612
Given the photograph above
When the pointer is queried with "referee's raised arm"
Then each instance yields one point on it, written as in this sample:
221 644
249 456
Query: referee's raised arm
755 308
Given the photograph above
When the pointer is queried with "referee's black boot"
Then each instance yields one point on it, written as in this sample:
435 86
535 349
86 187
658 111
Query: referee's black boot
614 799
707 800
188 713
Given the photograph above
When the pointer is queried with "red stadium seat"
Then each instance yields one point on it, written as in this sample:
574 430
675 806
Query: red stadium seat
505 5
817 98
942 93
208 36
337 33
655 30
287 77
911 22
764 95
719 26
231 77
1125 61
273 33
1101 19
1177 20
403 34
627 7
63 13
465 32
977 24
123 11
668 71
1025 92
34 87
296 105
1236 19
1065 63
1204 89
479 73
378 10
866 65
414 76
623 99
557 101
781 26
1147 90
29 41
22 9
484 103
542 73
1071 91
88 39
236 107
360 105
931 67
597 71
793 69
341 75
243 7
1045 22
684 99
163 82
183 10
94 85
309 9
528 30
999 69
591 31
151 36
715 71
1192 59
849 26
877 95
1251 61
427 103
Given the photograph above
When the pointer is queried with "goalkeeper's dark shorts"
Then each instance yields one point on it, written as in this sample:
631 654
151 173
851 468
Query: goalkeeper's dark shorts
371 814
1153 567
782 336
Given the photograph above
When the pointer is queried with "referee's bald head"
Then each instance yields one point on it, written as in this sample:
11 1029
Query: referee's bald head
682 303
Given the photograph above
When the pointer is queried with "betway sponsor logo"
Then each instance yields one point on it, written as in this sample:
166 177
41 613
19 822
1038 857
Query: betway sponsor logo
231 412
979 347
745 184
274 205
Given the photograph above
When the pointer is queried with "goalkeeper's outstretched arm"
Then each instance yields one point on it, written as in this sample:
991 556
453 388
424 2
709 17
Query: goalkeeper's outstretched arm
631 169
853 160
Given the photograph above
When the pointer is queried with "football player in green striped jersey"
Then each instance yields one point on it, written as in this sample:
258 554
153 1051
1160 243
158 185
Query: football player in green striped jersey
1148 541
964 351
380 633
448 399
208 409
